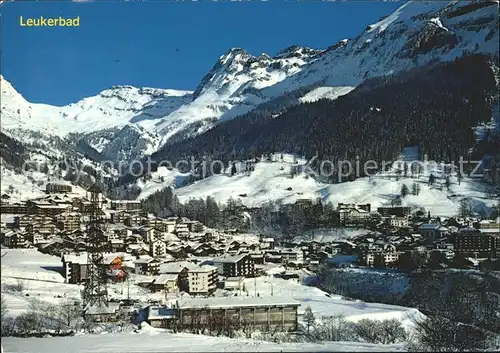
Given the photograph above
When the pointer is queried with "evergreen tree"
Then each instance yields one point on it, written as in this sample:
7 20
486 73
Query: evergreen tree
447 183
309 319
432 179
404 191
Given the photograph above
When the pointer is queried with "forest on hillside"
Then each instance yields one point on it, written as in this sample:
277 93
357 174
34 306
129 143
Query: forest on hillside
433 107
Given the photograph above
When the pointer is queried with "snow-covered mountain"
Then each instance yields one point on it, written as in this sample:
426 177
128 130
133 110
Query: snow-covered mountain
125 122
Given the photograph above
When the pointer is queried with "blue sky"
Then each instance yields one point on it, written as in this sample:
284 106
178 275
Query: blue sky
159 44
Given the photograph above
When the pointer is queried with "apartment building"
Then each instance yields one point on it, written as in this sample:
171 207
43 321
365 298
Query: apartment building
52 188
203 279
478 244
399 222
14 239
389 257
69 221
126 205
353 212
234 266
147 266
14 208
292 255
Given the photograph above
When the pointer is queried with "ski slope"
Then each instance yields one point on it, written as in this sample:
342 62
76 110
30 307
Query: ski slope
271 182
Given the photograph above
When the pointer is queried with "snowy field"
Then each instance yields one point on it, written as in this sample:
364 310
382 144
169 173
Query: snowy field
41 280
40 277
156 341
271 181
25 189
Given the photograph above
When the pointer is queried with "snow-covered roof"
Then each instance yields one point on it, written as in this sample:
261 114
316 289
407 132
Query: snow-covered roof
229 259
102 309
160 312
489 230
143 260
338 259
164 278
430 226
75 258
234 302
203 268
176 267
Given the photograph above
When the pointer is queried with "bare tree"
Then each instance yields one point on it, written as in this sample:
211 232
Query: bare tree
367 330
309 319
391 331
439 334
69 311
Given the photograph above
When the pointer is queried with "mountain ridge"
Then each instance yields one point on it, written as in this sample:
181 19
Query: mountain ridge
416 34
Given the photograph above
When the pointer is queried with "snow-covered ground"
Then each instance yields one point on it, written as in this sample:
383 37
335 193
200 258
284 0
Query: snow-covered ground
324 304
326 92
157 341
41 279
271 181
160 179
25 188
40 276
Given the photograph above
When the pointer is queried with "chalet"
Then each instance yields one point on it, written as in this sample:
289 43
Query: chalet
388 257
47 208
258 257
42 227
117 245
14 208
147 266
477 244
126 205
194 226
15 239
182 231
295 255
352 213
167 283
76 266
39 237
68 221
181 269
158 248
394 211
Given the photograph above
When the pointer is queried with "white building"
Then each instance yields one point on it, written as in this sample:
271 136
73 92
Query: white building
295 255
158 248
399 222
389 257
202 279
353 212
